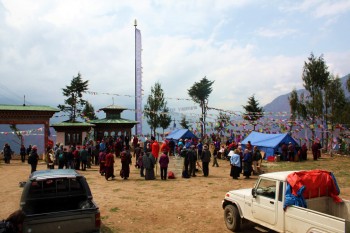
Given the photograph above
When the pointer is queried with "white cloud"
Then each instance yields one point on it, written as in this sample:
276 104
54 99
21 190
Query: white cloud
43 44
319 8
280 33
332 8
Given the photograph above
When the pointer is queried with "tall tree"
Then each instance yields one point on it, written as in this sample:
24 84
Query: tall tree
252 111
315 76
294 105
348 83
74 102
184 122
155 103
335 101
89 112
199 92
302 107
164 119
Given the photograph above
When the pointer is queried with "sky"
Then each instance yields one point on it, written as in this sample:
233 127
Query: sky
247 47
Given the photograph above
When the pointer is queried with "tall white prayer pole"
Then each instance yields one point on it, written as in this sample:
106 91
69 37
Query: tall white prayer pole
138 80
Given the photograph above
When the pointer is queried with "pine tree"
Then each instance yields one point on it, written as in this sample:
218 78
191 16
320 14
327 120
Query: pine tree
89 112
164 119
155 103
334 103
252 111
199 92
184 122
294 105
316 78
74 102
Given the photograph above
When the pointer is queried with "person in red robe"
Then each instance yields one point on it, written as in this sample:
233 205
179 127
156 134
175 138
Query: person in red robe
125 158
109 165
102 161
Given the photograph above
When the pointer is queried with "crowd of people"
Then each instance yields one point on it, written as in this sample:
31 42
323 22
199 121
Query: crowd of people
148 155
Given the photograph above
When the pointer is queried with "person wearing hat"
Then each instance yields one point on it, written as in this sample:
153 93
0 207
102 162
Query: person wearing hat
205 157
33 158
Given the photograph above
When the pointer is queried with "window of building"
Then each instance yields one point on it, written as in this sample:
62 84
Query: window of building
73 138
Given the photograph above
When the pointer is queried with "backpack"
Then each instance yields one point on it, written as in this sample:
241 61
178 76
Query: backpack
171 175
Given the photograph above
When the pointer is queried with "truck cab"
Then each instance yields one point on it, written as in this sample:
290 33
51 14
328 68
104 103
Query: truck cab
261 204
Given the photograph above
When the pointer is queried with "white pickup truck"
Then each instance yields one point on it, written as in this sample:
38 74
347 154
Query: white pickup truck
264 205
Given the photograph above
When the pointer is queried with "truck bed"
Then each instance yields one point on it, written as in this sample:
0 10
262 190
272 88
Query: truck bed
322 213
64 221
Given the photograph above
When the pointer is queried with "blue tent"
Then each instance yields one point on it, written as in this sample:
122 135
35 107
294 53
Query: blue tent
269 143
180 134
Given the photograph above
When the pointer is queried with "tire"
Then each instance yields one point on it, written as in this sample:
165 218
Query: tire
232 218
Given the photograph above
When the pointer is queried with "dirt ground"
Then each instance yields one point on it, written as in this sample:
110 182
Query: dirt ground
137 205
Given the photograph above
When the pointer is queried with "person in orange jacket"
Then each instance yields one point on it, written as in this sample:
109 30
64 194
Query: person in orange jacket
165 147
155 151
155 148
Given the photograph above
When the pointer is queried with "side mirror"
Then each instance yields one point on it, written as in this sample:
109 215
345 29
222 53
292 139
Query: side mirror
21 184
254 192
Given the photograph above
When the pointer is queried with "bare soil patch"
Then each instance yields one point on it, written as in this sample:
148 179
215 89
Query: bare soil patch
179 205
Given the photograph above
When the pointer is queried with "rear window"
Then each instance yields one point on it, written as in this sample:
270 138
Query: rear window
58 186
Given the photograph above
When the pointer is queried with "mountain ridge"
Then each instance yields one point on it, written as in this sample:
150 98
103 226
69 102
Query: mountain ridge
281 103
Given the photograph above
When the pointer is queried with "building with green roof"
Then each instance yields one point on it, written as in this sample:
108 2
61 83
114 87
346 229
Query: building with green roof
113 125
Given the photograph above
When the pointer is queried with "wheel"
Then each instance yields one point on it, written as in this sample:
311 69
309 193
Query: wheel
232 218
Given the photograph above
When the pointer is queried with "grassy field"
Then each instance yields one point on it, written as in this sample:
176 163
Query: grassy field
178 205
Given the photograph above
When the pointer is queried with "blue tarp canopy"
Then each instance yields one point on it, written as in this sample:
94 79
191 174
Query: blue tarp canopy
269 143
180 134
